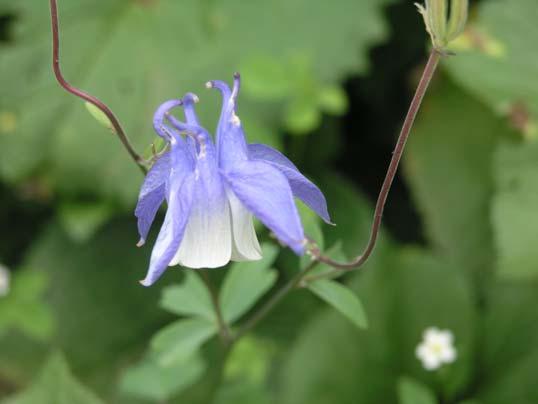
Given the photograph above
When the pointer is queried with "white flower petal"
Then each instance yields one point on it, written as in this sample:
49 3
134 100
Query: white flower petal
448 354
207 242
431 362
430 334
4 281
245 245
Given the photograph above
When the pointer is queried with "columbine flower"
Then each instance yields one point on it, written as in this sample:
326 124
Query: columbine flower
436 348
213 191
4 281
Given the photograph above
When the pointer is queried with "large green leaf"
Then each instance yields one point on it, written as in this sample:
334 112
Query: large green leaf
135 54
405 292
448 165
497 59
55 385
510 338
246 282
515 217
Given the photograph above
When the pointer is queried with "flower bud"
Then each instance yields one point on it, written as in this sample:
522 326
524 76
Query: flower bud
441 28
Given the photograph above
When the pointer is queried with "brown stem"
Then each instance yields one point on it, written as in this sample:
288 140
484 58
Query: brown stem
118 130
423 85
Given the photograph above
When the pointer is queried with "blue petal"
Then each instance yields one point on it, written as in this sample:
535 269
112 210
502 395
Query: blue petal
180 187
231 143
152 195
265 191
301 186
172 230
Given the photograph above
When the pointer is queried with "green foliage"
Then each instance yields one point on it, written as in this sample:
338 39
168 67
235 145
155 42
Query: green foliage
176 342
449 169
24 308
82 220
197 41
246 282
413 392
191 298
55 385
342 299
151 381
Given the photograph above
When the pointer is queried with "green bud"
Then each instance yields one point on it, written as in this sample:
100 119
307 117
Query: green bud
442 29
99 115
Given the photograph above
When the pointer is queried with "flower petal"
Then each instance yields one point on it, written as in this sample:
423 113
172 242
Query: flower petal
245 245
172 230
301 186
152 195
265 191
231 143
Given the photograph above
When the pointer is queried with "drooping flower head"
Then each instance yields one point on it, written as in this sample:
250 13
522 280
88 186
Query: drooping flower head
213 189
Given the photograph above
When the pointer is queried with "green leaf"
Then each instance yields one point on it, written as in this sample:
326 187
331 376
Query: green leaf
411 391
189 298
95 299
82 220
302 115
448 165
24 308
55 385
333 100
246 282
266 78
100 37
497 59
150 381
176 342
515 217
394 290
342 299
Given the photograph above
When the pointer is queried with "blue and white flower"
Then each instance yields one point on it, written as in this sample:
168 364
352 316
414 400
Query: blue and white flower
4 280
212 191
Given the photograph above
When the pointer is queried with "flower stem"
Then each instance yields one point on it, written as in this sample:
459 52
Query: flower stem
224 331
301 278
118 129
423 85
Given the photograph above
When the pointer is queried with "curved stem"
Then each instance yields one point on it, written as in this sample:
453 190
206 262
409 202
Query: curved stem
118 130
423 85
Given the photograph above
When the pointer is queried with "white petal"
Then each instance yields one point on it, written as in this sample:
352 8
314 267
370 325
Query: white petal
446 337
207 242
431 362
4 281
448 354
431 334
245 246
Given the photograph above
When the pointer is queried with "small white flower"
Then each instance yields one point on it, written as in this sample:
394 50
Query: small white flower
436 348
4 281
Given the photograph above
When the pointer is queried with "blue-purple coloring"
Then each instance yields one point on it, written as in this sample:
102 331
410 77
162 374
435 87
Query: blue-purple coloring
212 190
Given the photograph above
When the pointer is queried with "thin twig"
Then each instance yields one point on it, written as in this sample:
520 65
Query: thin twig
423 85
224 331
118 129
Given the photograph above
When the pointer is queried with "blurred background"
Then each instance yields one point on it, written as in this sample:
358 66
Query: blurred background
329 84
